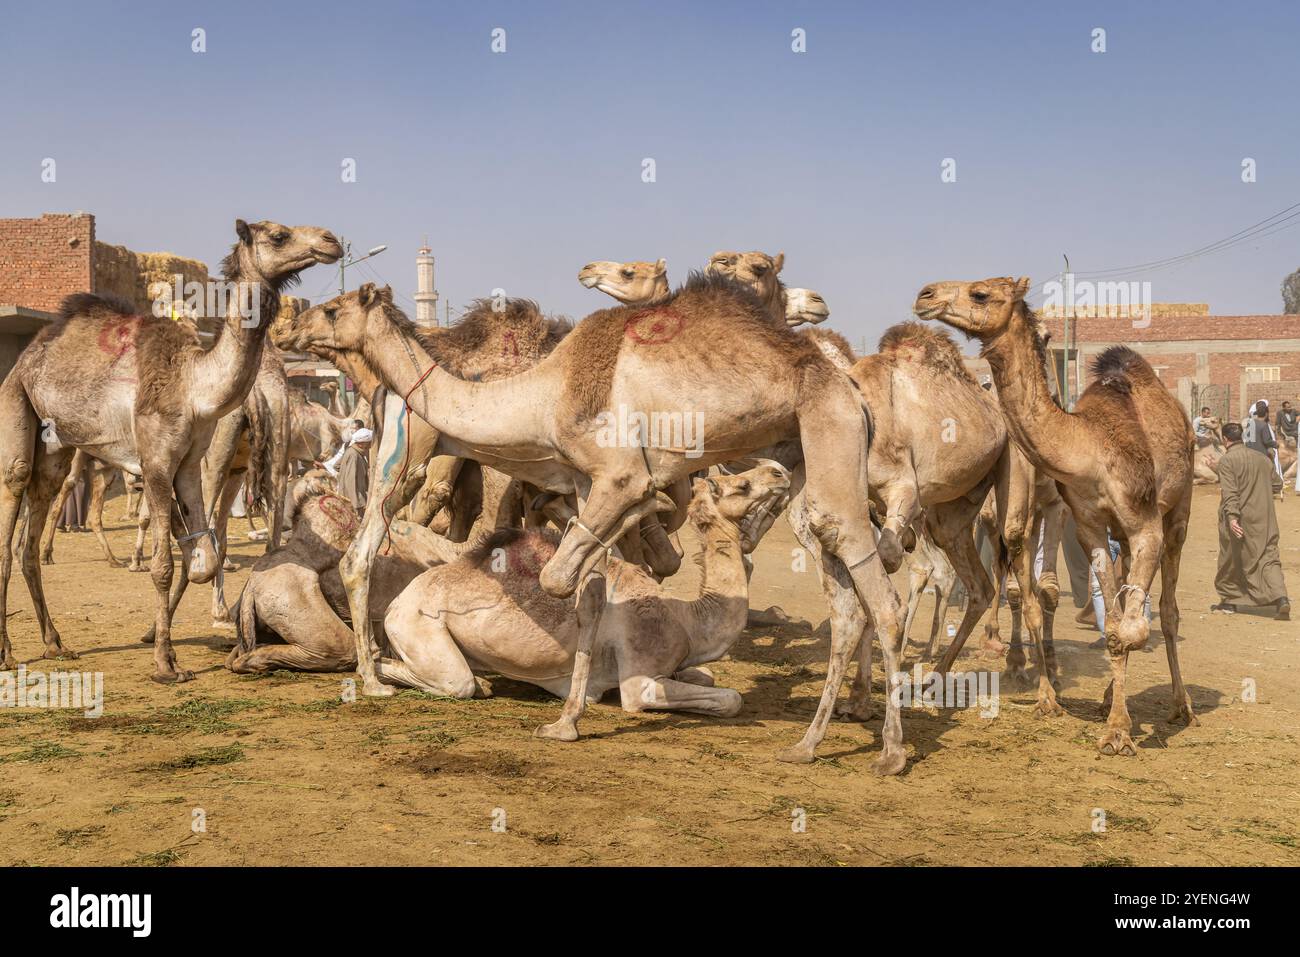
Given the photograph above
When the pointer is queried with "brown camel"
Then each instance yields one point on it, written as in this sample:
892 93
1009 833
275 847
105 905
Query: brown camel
551 426
486 613
1122 461
315 433
139 393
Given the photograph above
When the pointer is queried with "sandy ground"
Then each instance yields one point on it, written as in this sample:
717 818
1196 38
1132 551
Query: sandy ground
280 771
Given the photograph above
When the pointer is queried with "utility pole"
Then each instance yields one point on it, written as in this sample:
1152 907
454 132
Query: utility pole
344 262
1068 303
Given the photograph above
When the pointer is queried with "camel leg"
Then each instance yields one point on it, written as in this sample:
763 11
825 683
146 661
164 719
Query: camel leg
50 470
936 622
220 523
56 506
1175 536
902 507
391 487
427 655
142 518
277 483
848 624
17 450
1022 560
949 525
1092 536
696 675
591 606
643 693
918 579
100 481
1049 589
316 638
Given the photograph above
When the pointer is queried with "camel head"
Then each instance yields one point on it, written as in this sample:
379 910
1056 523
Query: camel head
341 325
632 283
744 500
274 254
805 305
982 309
757 270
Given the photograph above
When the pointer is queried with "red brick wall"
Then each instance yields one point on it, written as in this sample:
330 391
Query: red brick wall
1175 328
43 260
1273 393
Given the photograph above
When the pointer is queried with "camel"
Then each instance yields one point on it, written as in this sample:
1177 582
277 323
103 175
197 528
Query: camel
1122 461
293 611
315 432
929 568
645 283
102 478
546 426
331 388
485 613
139 393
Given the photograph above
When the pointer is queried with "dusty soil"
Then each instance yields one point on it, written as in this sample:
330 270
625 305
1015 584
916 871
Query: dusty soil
284 772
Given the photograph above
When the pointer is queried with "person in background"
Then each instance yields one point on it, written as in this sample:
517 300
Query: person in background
1250 568
1287 422
1204 425
73 516
331 464
1099 600
354 470
1258 435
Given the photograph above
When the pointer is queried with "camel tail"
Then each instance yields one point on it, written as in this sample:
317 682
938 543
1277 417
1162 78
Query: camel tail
259 441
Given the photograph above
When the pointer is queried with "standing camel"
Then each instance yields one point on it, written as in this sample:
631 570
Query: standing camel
1122 460
102 478
139 393
551 426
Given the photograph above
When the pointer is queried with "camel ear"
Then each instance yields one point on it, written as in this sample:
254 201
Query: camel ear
366 294
661 267
386 294
243 232
779 262
1022 287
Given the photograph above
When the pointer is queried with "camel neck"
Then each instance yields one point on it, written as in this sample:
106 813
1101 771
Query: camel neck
722 607
509 413
1038 425
224 374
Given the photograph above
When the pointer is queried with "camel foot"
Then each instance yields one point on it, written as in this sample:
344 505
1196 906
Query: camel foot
374 688
60 652
1048 707
562 730
854 710
47 559
799 754
9 663
993 648
1116 741
1016 677
1183 712
136 567
172 677
889 762
229 566
890 551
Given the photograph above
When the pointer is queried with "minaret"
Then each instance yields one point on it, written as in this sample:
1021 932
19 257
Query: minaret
426 296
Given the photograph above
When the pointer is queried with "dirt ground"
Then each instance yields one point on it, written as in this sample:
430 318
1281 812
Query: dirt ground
280 770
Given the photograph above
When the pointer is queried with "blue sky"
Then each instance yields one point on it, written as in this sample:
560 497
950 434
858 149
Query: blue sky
523 166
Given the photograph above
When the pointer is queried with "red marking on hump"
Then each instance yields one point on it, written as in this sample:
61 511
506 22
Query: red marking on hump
339 511
654 326
510 347
526 557
117 337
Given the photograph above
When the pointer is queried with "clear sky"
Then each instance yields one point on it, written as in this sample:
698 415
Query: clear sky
522 166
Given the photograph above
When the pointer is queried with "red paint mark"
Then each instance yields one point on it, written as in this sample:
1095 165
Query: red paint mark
526 557
117 339
340 513
655 326
510 342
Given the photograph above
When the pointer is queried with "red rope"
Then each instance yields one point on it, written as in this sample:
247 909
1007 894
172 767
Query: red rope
406 418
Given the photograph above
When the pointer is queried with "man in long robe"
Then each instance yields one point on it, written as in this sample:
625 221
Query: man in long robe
354 470
1250 568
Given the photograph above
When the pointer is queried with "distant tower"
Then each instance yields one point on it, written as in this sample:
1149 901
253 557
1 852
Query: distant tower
426 296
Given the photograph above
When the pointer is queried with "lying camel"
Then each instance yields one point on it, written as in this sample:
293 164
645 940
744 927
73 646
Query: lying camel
487 613
293 612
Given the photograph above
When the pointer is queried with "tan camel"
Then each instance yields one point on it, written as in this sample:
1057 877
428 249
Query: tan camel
331 388
551 426
139 393
315 433
293 611
929 568
1122 461
102 478
645 283
486 613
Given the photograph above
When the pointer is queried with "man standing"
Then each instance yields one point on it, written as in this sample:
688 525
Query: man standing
1287 424
354 470
1250 569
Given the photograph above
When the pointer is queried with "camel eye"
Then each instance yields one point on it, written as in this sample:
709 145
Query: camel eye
627 274
979 296
280 238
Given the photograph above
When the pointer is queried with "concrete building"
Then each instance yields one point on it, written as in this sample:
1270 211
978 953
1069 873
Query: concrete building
426 295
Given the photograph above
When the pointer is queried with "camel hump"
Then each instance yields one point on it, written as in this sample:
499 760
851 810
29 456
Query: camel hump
92 305
933 346
538 543
1120 368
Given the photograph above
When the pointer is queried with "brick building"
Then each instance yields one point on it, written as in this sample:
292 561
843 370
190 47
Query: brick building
1226 362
